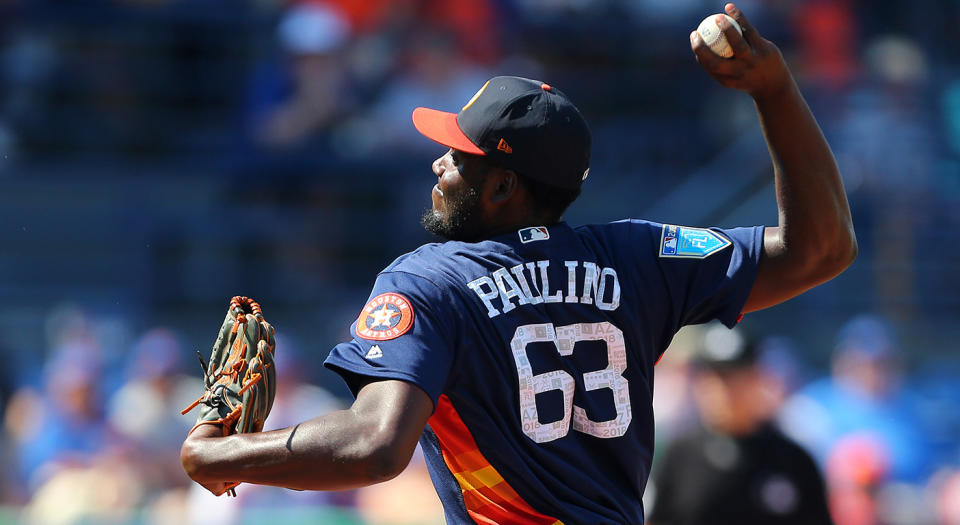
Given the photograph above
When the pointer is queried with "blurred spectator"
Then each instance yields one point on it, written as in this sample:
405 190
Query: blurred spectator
948 499
296 99
300 99
864 425
886 138
27 66
935 382
473 23
673 408
738 468
103 489
778 356
371 15
146 409
865 395
434 72
857 467
826 42
64 424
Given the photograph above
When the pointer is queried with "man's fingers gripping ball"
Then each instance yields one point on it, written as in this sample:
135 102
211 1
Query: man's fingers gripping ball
711 30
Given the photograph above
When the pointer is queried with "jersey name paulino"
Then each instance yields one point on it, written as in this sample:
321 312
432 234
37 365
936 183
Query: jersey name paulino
529 284
538 349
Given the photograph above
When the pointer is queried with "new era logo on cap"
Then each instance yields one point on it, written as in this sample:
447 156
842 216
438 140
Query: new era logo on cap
522 124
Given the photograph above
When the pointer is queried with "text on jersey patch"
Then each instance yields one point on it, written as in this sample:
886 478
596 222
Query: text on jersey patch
690 243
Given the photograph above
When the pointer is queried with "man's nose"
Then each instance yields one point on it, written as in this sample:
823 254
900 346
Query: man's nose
438 166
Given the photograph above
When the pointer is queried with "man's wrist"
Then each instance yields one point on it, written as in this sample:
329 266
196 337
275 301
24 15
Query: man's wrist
207 429
203 430
776 91
780 81
191 450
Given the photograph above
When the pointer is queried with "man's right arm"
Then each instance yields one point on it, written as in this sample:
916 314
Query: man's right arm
814 240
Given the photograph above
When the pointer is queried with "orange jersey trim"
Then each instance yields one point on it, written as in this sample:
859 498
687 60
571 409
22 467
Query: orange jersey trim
489 499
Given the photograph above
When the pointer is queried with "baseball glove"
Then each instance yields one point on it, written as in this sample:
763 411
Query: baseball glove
240 380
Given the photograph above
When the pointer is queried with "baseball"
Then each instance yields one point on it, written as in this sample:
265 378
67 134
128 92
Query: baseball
712 35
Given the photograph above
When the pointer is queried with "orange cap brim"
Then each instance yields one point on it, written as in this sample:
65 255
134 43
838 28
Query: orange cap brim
441 126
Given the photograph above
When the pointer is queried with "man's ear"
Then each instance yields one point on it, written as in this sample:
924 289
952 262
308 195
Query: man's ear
506 185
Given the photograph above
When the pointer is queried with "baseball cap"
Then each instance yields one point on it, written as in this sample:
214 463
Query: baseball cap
522 124
309 29
725 349
869 336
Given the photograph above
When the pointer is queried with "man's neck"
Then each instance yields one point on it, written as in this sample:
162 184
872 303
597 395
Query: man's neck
519 225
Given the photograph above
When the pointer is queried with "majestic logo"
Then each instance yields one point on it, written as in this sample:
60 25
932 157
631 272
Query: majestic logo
386 316
374 353
690 243
537 233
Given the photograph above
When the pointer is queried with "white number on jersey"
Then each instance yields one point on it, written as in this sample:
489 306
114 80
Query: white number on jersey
564 338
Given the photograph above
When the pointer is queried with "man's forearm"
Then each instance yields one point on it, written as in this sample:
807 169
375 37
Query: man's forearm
814 215
369 443
333 452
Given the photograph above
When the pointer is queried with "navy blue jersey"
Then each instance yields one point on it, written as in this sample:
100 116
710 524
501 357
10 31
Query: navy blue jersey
538 350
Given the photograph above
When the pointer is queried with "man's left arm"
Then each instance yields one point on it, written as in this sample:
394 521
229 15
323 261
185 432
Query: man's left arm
814 240
370 442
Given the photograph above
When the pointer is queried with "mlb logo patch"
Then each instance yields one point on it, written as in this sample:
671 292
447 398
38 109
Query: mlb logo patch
537 233
690 243
669 240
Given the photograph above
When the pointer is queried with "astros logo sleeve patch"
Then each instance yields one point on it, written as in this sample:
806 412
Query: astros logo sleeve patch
386 316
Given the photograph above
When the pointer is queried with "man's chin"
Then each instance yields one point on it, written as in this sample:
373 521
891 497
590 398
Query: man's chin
458 221
435 224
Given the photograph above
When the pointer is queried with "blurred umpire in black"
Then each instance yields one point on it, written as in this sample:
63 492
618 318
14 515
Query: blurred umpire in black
737 469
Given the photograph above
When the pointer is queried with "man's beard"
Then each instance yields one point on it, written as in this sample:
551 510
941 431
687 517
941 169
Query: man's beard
460 222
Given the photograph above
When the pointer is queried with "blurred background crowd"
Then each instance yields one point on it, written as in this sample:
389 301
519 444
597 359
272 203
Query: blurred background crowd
158 157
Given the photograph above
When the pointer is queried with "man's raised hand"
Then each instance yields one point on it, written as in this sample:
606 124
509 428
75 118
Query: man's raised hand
757 67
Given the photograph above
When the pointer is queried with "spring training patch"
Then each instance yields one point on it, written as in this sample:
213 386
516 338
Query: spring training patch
386 316
690 243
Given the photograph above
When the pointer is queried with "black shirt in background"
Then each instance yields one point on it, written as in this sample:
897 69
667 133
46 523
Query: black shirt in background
713 479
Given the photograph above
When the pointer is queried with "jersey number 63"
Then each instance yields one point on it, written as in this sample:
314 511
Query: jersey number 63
564 338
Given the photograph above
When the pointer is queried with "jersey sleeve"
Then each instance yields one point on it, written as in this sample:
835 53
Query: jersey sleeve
403 332
708 272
